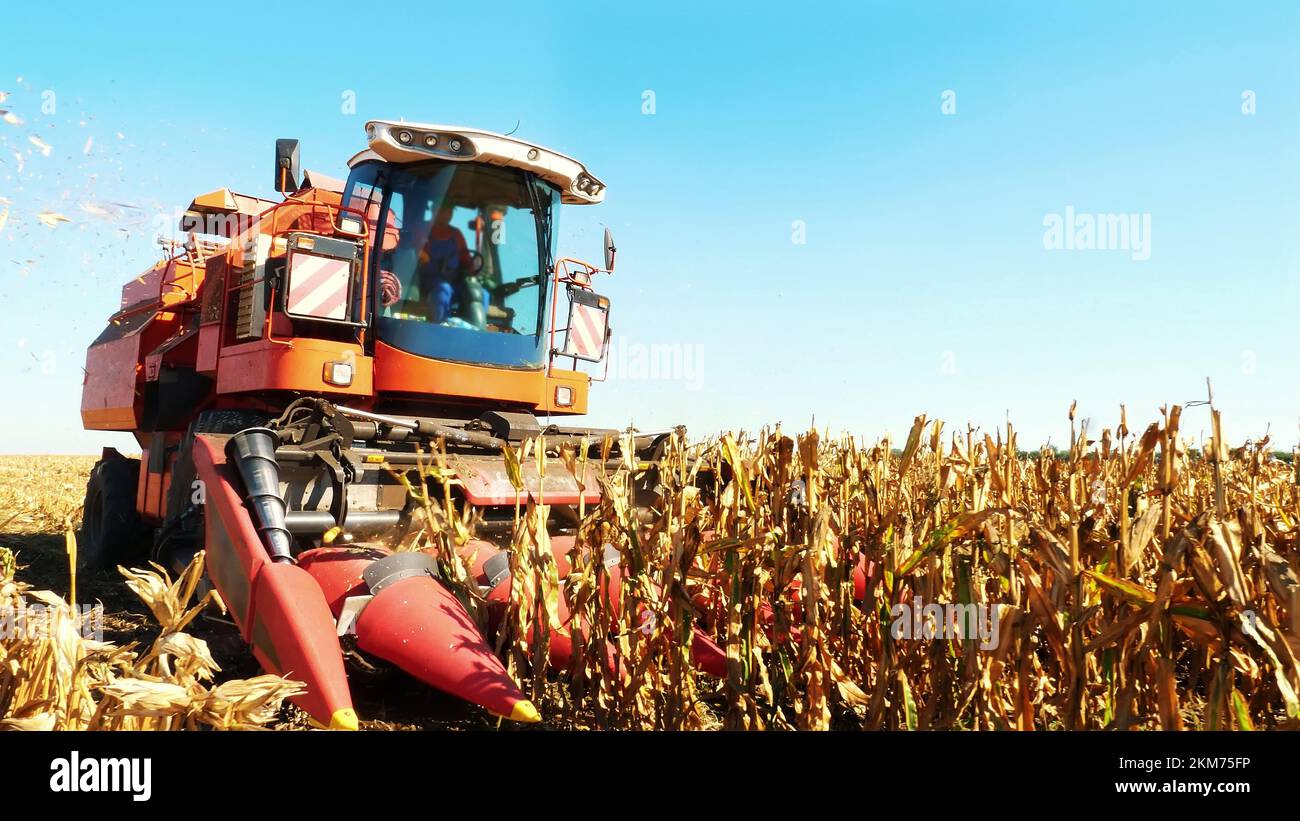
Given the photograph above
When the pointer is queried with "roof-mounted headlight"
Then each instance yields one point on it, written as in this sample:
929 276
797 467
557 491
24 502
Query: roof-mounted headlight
585 184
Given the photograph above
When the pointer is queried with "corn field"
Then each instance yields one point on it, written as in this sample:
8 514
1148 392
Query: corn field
1136 580
1138 583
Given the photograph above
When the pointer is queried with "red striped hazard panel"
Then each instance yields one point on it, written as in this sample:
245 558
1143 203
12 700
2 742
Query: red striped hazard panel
318 286
588 319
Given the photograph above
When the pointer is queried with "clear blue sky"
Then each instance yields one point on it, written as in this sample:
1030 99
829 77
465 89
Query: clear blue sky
923 286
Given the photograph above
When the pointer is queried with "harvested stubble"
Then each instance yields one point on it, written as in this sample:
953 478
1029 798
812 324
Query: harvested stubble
1140 583
42 493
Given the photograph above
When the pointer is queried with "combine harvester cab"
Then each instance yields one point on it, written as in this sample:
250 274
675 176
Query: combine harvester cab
294 361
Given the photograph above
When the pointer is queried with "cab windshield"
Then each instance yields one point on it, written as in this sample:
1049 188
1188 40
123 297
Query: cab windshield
461 262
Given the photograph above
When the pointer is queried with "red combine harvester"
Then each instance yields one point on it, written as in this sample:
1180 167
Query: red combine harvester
292 356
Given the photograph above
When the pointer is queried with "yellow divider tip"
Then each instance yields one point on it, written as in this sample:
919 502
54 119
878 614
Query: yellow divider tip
345 719
525 712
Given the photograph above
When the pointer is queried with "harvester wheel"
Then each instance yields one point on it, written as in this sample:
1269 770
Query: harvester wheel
111 530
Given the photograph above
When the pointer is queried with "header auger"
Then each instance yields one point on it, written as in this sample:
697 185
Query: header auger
294 358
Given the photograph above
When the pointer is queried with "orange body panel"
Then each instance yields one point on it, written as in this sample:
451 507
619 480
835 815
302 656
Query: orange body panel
151 493
397 371
146 287
142 484
576 380
266 365
108 395
209 348
157 460
171 281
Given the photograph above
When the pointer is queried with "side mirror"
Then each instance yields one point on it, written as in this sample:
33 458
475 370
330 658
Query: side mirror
610 250
287 169
588 329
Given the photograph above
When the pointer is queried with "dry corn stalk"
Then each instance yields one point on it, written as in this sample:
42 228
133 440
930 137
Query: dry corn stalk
55 677
1139 582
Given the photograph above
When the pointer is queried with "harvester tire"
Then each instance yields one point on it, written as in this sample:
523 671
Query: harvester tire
111 530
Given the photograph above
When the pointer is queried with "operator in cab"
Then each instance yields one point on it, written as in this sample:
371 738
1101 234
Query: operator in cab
449 280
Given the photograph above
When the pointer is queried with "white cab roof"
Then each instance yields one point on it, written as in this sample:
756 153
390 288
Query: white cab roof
401 142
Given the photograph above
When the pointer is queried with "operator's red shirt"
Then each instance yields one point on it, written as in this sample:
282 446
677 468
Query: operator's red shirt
447 253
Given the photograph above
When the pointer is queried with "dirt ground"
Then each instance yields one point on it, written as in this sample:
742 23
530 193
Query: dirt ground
41 497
